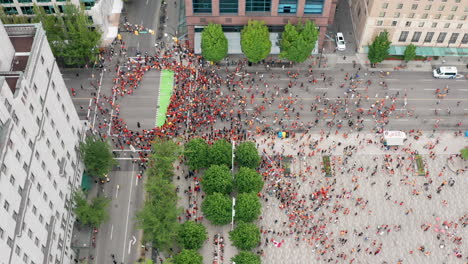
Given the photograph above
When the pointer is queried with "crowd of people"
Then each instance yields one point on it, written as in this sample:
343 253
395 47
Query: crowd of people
213 102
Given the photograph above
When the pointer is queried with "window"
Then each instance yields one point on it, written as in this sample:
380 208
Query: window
52 123
7 105
27 10
38 121
10 10
41 219
464 39
454 8
394 23
450 17
6 206
441 8
403 36
414 6
379 22
61 195
407 24
287 6
381 14
25 167
24 1
54 154
399 6
6 1
48 143
18 250
384 5
459 26
34 210
58 96
314 6
4 168
10 143
15 118
44 196
25 258
43 165
416 36
437 16
18 155
23 132
257 5
397 14
434 24
30 144
447 25
411 15
441 37
31 109
463 17
20 190
421 24
12 180
10 242
39 186
453 38
202 6
427 7
424 16
1 233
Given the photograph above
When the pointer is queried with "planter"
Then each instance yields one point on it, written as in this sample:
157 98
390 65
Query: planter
420 165
286 164
327 166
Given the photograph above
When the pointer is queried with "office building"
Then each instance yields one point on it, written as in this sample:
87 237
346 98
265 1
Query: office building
104 13
437 28
39 151
234 14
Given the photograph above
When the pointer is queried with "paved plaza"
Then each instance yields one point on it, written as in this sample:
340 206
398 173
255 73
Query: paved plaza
375 208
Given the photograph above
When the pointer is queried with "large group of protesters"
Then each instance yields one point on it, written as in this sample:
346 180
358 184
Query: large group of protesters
213 102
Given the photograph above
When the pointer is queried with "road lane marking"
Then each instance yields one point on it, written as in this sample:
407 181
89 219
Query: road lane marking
112 231
463 90
131 243
395 89
128 211
401 119
323 88
81 98
429 89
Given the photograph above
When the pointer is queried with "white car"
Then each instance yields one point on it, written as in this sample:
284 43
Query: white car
340 43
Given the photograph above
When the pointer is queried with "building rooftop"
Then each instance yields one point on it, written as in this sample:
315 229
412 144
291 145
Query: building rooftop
22 38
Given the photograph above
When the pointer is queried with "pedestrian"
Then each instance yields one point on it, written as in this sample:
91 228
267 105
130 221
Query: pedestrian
138 124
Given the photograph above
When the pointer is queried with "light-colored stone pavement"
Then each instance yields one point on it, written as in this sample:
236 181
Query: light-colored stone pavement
328 230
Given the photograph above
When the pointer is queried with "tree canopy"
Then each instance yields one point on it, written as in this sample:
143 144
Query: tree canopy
248 180
247 155
97 156
197 151
217 178
255 41
378 50
164 153
410 52
188 256
245 236
464 153
248 207
192 235
245 257
91 214
217 208
221 153
298 41
158 217
214 43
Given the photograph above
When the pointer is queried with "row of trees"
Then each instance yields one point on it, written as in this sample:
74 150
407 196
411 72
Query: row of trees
378 50
297 41
71 35
218 183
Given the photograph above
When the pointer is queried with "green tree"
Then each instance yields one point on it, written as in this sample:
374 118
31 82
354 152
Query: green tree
192 235
245 236
255 41
146 261
247 155
214 43
158 217
410 52
248 180
91 214
188 256
245 257
221 153
248 207
298 41
464 153
217 208
97 156
217 178
196 152
164 153
54 27
378 50
81 44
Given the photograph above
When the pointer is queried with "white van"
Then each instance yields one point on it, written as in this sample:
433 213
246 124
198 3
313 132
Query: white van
448 72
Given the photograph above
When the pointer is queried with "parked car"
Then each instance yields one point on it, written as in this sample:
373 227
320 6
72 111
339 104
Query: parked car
340 42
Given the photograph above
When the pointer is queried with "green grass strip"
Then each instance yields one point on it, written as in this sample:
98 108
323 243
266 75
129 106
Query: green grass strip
165 91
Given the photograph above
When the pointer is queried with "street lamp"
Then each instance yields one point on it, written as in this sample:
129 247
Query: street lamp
232 174
233 212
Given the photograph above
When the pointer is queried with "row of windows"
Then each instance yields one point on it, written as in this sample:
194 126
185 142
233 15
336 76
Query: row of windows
29 10
284 6
28 1
420 24
423 16
453 8
430 36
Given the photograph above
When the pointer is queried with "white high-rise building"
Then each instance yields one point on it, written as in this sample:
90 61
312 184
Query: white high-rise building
39 150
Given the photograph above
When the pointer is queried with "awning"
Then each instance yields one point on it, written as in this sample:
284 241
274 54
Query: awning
427 51
86 182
